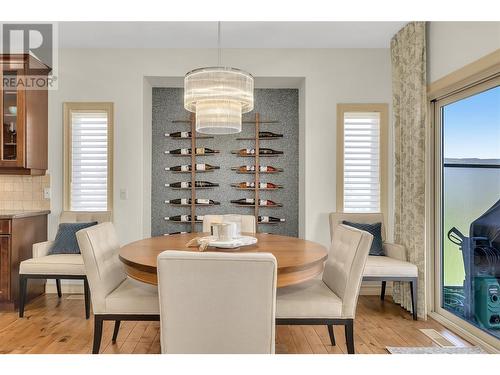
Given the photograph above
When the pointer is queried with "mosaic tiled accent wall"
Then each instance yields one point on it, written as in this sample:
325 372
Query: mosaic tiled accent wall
23 192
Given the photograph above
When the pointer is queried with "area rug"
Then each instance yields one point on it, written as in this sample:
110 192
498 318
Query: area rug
435 350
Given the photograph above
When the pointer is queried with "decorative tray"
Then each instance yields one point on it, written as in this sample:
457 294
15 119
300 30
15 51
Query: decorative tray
235 243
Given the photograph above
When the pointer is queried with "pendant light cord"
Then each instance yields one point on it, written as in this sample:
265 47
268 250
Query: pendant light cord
219 49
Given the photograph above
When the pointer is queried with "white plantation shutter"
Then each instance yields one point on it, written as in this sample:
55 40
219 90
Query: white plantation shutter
361 162
89 161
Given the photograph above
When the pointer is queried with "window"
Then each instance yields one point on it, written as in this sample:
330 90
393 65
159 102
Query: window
361 157
464 176
88 156
468 171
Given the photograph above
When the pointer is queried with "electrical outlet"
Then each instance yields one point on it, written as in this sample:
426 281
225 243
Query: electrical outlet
123 194
46 193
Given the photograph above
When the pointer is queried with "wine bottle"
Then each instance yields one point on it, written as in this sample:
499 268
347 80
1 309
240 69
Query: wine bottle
199 201
187 184
184 218
244 201
187 168
270 219
205 150
244 168
269 168
269 151
269 135
172 233
269 185
179 151
251 202
244 151
267 203
178 135
187 151
251 185
244 185
251 152
251 168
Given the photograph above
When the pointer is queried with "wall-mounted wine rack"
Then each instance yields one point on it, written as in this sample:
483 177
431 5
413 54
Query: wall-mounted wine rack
257 122
193 172
256 188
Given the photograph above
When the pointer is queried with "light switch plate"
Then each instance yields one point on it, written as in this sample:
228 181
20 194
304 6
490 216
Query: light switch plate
123 194
46 193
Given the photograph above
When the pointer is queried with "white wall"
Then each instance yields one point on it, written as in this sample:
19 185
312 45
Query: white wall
452 45
331 76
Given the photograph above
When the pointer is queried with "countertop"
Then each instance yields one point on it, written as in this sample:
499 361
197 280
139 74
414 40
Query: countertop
17 214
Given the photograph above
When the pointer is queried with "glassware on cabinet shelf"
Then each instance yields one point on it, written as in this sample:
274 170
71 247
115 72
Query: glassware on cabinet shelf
9 118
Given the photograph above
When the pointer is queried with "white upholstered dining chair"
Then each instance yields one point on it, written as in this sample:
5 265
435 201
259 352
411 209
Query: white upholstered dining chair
58 266
393 266
332 299
217 302
114 295
247 222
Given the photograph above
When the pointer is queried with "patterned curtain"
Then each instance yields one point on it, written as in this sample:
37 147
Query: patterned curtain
410 118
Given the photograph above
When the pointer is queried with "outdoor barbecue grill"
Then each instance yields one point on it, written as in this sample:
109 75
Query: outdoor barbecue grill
481 256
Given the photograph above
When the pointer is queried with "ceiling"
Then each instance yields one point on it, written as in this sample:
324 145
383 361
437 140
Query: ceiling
234 34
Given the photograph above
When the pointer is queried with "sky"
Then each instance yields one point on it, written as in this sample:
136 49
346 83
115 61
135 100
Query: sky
472 126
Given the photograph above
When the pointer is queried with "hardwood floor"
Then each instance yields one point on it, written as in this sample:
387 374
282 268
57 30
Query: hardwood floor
53 325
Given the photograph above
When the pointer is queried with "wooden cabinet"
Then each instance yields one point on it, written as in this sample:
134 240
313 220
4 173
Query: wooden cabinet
4 261
18 232
24 112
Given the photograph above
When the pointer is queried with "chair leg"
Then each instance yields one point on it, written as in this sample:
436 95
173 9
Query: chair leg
115 331
86 292
349 336
97 334
414 297
382 292
332 334
58 285
23 283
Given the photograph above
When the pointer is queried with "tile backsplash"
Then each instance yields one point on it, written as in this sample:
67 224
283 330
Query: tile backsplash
23 192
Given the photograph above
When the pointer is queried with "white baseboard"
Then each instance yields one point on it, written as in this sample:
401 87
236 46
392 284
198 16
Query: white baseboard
372 288
67 287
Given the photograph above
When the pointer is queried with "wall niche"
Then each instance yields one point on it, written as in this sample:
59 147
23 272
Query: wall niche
280 105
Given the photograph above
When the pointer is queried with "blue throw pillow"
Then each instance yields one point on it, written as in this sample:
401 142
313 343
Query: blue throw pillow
65 242
376 231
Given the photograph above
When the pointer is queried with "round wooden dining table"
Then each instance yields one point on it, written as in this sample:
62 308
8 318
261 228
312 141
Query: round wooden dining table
298 260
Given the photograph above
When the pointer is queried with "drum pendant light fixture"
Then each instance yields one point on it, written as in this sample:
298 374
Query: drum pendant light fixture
219 96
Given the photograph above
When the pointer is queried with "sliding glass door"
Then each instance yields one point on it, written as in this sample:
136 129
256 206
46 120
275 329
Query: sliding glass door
468 203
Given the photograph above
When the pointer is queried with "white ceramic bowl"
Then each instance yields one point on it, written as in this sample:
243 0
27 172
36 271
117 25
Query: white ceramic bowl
13 110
